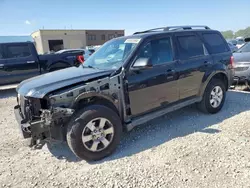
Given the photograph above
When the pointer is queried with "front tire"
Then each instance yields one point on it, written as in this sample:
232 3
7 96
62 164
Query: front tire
213 97
94 132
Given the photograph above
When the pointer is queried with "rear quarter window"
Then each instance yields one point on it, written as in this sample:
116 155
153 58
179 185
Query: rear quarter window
215 42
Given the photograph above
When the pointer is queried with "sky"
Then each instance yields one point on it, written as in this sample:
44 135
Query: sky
22 17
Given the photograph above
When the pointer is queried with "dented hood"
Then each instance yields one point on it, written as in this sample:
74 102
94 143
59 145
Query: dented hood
39 86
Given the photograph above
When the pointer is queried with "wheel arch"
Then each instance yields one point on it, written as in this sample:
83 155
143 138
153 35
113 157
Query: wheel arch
91 98
215 75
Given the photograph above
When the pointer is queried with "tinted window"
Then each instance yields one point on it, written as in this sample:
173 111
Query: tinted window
17 51
160 51
190 46
1 53
216 43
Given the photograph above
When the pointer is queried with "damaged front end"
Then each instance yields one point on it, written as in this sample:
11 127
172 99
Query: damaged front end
47 117
38 122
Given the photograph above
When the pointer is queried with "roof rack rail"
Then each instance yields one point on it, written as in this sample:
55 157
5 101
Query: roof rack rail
172 28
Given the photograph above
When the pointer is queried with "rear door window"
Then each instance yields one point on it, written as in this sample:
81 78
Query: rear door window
17 51
190 46
215 43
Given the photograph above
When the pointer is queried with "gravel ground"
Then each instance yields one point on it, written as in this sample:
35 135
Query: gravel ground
183 149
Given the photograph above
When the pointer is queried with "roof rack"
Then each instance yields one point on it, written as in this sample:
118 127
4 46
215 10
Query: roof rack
172 28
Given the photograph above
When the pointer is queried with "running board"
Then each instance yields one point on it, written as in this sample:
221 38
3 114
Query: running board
153 115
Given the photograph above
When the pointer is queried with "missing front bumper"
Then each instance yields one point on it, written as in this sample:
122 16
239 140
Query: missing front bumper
51 125
22 125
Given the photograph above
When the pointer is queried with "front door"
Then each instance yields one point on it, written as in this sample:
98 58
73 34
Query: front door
154 87
194 60
19 63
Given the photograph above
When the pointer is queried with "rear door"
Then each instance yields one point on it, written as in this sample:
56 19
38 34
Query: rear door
20 64
193 62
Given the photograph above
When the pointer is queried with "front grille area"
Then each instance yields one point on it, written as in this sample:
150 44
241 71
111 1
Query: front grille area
241 68
23 102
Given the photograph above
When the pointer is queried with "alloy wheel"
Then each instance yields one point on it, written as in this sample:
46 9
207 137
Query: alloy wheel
216 96
98 134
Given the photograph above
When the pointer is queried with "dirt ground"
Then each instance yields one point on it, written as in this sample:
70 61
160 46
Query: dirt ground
185 148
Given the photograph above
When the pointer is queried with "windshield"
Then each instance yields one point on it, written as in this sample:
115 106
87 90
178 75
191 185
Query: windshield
112 54
245 48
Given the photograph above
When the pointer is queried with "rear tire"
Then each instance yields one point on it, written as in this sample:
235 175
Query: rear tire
213 97
94 132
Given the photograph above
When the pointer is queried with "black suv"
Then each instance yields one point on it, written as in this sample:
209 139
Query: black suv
127 82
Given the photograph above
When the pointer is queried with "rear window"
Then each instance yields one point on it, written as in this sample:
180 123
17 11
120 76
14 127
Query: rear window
216 43
17 51
190 46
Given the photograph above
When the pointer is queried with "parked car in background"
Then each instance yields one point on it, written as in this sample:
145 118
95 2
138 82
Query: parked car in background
92 51
127 82
240 42
20 61
232 47
242 63
233 41
85 53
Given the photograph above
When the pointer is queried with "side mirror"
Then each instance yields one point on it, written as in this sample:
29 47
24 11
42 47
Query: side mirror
247 39
142 63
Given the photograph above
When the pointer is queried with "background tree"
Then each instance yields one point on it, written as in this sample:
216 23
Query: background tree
243 32
228 34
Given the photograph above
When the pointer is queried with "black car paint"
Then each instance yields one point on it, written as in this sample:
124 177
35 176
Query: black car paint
39 86
15 70
165 84
144 90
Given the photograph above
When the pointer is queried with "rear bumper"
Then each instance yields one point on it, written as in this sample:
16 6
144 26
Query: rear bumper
242 73
22 125
241 77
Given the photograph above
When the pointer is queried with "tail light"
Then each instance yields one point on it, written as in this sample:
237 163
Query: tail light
231 65
80 58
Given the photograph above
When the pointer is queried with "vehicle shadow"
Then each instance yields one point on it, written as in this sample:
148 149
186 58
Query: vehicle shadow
7 93
176 124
